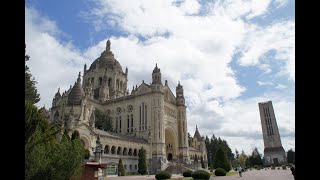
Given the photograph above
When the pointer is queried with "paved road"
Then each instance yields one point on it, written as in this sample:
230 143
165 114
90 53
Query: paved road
249 175
260 175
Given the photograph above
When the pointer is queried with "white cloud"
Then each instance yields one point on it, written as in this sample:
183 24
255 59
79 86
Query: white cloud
279 37
265 83
190 6
239 8
52 63
238 121
280 3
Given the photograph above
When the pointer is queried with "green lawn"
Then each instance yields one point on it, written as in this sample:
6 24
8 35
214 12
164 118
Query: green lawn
228 173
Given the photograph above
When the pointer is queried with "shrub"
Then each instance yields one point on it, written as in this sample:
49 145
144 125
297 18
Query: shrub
284 167
200 174
163 175
220 172
87 154
187 173
272 167
255 166
278 168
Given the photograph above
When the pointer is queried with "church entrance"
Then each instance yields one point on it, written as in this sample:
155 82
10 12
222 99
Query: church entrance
171 146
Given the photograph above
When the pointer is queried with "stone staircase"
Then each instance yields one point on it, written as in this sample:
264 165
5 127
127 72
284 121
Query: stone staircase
176 168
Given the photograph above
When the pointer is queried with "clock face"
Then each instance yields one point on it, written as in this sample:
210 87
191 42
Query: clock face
118 110
130 108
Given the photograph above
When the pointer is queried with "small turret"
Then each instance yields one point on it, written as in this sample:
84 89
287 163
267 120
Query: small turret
179 95
156 75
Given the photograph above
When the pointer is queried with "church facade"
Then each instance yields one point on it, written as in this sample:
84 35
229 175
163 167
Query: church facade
151 116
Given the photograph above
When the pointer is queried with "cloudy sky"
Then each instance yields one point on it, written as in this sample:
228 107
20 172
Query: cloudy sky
228 55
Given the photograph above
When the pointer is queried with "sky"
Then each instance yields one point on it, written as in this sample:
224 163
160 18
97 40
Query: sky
229 55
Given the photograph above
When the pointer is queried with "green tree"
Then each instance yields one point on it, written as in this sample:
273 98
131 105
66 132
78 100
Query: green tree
121 171
103 121
255 158
221 160
46 157
142 165
242 159
290 156
31 94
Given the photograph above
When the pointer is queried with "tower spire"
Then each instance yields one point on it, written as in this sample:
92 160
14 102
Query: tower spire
108 46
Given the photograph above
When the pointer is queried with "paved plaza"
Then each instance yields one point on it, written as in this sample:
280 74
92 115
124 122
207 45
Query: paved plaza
249 175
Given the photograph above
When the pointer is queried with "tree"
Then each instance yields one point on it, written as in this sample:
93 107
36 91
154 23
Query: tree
237 154
46 157
103 121
242 159
31 94
142 165
291 156
255 158
121 171
221 160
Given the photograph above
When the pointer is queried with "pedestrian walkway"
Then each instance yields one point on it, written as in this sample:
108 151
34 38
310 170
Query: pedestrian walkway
248 175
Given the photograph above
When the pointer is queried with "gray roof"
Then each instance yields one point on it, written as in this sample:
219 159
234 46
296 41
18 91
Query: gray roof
76 94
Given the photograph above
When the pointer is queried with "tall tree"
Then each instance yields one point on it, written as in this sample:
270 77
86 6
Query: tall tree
255 158
237 153
121 171
31 94
291 156
103 121
221 160
46 157
242 159
142 165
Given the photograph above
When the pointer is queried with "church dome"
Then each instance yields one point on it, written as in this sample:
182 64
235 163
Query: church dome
76 93
106 60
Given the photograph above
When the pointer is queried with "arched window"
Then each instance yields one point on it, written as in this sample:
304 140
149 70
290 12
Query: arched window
119 151
135 152
120 85
56 116
109 82
106 149
130 152
92 80
117 84
113 150
100 80
125 151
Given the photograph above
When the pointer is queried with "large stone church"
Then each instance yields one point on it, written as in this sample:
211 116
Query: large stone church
151 116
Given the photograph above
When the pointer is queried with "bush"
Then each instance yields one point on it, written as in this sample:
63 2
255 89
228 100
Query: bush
272 167
255 166
200 174
87 154
187 173
284 167
220 172
163 175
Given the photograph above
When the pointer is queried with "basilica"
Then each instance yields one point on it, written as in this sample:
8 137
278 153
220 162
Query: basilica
150 116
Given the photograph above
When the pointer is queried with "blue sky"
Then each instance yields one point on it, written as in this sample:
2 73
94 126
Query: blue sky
228 55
